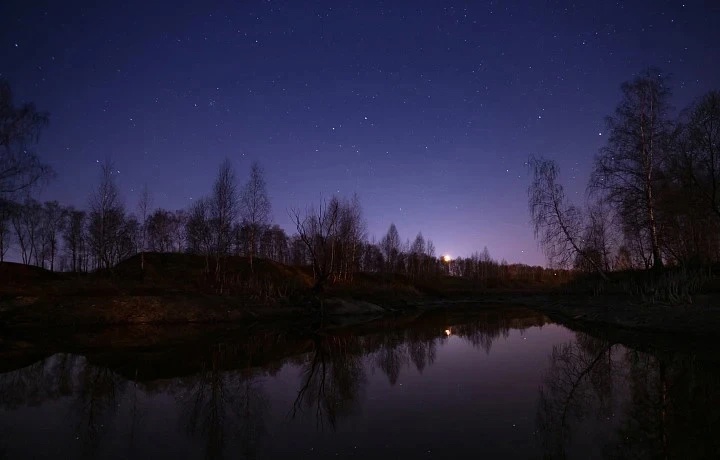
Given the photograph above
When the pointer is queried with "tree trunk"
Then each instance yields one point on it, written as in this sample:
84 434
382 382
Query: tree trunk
654 240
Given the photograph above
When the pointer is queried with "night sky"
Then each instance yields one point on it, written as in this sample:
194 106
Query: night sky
428 110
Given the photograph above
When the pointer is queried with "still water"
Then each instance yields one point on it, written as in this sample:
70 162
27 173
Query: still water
504 383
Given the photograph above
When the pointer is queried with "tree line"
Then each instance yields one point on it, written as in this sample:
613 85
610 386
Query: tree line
234 219
654 192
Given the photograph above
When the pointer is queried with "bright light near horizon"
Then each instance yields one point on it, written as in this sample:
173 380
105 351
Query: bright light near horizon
447 258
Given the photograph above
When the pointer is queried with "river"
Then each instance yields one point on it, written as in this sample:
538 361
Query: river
501 383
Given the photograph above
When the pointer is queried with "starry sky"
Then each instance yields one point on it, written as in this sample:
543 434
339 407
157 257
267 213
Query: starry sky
427 109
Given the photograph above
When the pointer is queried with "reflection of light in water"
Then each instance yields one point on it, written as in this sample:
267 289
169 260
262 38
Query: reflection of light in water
448 332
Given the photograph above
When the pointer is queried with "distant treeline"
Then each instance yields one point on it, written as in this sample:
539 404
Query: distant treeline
654 201
330 237
233 220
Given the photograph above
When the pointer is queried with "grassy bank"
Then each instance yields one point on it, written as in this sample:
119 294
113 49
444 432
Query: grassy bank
182 288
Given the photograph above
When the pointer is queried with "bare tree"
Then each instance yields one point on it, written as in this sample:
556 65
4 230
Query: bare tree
144 204
317 230
53 222
598 241
351 232
75 239
20 128
6 210
198 232
559 226
417 255
627 168
701 148
255 207
26 220
224 207
106 218
179 227
390 245
160 230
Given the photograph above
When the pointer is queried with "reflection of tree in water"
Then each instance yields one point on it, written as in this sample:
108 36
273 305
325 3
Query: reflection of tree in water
221 400
220 404
577 385
482 333
670 410
334 372
95 404
94 392
393 356
422 351
673 409
48 379
332 377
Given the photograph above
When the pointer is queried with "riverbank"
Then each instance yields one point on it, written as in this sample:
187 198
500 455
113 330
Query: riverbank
176 289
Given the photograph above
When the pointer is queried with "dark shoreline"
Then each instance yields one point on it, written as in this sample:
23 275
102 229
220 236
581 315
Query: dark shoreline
607 311
614 316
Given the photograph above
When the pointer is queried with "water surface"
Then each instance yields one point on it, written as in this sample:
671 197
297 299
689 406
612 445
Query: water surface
504 383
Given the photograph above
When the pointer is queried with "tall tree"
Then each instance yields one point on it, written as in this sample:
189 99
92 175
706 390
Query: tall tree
160 227
107 215
20 128
701 148
255 207
317 229
558 225
6 210
144 204
26 221
75 239
350 233
53 222
198 231
390 245
627 169
224 207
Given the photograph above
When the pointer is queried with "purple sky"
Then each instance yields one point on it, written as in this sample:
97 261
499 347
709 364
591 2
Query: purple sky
428 110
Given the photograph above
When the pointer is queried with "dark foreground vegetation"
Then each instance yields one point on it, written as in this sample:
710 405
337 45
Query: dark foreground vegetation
181 289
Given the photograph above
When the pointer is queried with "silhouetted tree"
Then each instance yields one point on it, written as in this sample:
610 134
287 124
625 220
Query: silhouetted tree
255 207
179 227
350 234
390 245
557 224
701 148
198 230
6 210
26 220
597 241
627 169
75 239
274 244
106 219
52 225
317 229
20 128
143 206
160 231
224 207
